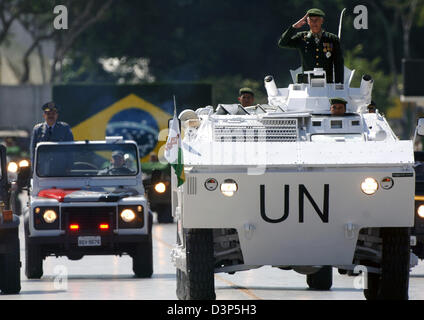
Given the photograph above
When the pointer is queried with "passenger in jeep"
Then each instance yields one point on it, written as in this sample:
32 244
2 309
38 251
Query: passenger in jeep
117 165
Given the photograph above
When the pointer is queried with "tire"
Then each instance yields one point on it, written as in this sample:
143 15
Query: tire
371 293
143 256
393 282
11 267
33 261
143 260
198 283
321 280
164 212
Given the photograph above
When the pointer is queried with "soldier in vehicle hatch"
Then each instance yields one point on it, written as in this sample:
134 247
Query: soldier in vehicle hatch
318 48
50 129
246 97
338 106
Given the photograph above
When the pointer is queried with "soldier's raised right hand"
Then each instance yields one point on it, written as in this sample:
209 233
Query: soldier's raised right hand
301 22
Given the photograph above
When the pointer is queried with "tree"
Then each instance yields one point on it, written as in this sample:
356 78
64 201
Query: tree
37 18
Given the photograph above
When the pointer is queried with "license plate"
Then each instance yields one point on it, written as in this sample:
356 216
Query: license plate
89 241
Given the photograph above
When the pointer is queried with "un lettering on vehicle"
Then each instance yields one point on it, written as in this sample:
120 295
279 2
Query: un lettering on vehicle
303 196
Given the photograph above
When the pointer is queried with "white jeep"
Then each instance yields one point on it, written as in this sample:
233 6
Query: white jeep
289 185
87 198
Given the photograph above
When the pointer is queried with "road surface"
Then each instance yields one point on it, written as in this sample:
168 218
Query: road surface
110 277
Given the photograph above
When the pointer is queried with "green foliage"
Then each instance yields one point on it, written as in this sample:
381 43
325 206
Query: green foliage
225 89
354 59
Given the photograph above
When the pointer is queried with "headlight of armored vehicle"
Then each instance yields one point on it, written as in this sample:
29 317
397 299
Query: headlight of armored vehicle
229 187
49 216
369 186
160 187
420 211
12 167
128 215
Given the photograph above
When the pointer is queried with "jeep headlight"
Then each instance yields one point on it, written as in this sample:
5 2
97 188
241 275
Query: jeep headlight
12 167
229 187
49 216
420 211
160 187
128 215
369 186
23 163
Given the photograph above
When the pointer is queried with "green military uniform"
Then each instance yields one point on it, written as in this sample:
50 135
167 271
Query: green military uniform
316 51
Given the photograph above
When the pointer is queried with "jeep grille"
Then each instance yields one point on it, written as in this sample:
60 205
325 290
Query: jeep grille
88 218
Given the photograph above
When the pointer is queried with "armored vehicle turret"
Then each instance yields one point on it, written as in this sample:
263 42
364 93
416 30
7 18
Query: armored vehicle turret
290 185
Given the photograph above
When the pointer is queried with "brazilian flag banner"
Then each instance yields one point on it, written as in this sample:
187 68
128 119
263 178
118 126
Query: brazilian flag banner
136 112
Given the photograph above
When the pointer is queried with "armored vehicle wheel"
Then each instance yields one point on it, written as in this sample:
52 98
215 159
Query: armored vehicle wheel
33 261
10 266
321 280
198 283
165 213
371 293
393 282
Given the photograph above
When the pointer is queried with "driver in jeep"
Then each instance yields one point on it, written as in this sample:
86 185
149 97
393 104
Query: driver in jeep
117 165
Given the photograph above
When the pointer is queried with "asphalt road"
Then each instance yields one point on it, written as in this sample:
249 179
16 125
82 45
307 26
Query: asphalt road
111 278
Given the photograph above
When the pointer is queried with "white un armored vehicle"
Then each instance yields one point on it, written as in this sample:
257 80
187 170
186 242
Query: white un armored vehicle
87 198
290 186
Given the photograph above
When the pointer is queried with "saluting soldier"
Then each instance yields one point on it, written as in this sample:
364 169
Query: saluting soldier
318 48
50 129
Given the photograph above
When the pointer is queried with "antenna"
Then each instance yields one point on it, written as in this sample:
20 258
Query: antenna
175 105
341 22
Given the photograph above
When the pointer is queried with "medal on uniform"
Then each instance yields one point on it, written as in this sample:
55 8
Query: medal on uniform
328 54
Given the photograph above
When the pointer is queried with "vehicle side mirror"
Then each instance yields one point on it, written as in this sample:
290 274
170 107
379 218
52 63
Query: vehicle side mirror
24 176
420 127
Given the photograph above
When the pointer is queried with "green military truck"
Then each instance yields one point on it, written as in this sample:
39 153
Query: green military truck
157 183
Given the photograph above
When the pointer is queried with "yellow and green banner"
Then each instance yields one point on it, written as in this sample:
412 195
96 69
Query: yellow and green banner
136 112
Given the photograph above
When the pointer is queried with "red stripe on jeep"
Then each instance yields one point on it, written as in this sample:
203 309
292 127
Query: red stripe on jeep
58 194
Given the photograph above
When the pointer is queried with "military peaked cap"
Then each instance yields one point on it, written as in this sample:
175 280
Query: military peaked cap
117 153
246 90
338 100
49 106
315 13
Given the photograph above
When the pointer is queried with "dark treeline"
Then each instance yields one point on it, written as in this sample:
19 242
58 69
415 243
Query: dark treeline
201 40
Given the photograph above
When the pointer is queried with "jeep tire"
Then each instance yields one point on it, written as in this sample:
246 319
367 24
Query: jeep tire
143 260
10 265
321 280
33 261
393 282
198 283
143 255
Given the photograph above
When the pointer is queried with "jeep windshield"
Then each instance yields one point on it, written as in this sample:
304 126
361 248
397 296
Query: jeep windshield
82 160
